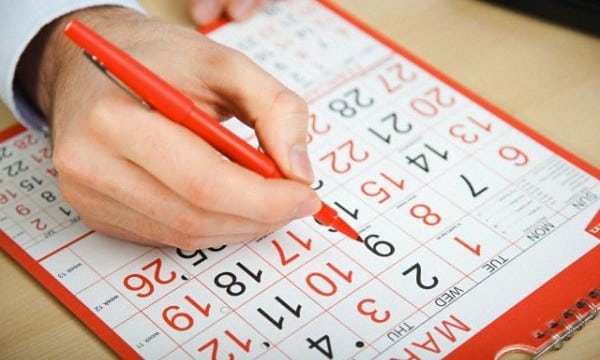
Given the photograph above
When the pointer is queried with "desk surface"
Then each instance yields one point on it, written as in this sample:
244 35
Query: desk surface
543 74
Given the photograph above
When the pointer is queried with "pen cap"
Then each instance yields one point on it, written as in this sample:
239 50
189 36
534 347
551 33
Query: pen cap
143 82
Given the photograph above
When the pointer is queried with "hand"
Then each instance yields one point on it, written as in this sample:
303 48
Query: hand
135 175
206 11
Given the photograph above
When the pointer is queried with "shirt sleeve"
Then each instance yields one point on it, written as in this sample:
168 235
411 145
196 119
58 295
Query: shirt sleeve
21 21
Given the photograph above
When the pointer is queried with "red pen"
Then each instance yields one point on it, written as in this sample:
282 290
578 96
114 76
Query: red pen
164 98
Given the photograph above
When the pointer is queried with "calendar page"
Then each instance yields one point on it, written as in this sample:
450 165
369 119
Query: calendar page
464 212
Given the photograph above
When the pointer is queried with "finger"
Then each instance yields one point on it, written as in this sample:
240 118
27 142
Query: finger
140 228
206 11
279 116
130 187
189 166
242 9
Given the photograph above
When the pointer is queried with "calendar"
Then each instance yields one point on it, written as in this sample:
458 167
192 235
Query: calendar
470 220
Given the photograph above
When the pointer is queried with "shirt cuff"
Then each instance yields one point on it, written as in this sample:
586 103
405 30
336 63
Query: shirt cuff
23 20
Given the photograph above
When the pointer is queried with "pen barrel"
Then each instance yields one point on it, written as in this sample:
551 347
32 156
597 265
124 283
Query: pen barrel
231 145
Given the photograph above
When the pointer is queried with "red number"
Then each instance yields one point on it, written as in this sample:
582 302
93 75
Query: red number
314 130
24 142
158 265
422 211
6 196
23 210
475 250
39 225
145 283
396 77
330 285
305 244
44 153
52 172
214 345
380 191
187 319
372 313
464 136
354 157
429 104
512 153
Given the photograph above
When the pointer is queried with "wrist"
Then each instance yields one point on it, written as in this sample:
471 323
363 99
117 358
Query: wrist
51 63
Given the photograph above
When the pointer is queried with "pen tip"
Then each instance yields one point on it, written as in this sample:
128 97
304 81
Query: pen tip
359 239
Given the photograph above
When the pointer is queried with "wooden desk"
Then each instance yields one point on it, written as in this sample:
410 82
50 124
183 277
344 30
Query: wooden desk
545 75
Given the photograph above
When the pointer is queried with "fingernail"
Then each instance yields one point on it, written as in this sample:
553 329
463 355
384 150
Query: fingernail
206 11
308 207
300 164
240 9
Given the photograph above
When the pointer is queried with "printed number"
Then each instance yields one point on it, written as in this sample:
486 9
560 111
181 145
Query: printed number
24 142
429 105
419 279
327 351
391 119
229 281
475 250
180 320
279 322
395 76
474 192
423 212
6 196
213 346
314 128
342 167
198 253
142 284
372 314
30 184
457 130
514 154
373 189
348 106
39 224
48 196
285 260
323 284
379 247
421 160
5 153
16 168
44 153
22 210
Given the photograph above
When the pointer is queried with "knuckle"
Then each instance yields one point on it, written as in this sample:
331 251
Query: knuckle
290 102
188 225
201 191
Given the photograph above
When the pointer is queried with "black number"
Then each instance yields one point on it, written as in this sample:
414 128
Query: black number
327 351
474 193
417 267
421 159
388 137
348 108
30 184
48 196
199 252
318 185
380 247
232 286
279 322
353 214
15 168
5 153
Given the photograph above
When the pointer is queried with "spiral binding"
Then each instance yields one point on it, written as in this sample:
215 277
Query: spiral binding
571 321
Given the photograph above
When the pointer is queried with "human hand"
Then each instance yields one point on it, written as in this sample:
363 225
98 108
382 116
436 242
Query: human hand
135 175
206 11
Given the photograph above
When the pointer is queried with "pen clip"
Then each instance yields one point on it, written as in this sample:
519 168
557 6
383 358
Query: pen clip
112 78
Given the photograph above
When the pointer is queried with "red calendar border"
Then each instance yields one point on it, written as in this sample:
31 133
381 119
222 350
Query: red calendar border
518 322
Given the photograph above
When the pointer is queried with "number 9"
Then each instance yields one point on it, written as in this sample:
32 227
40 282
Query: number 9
512 153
